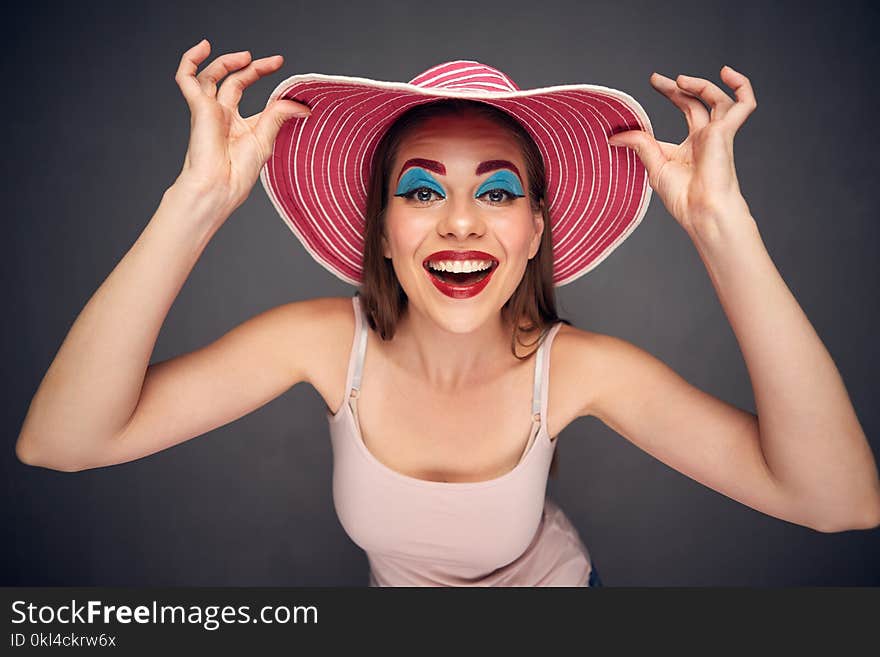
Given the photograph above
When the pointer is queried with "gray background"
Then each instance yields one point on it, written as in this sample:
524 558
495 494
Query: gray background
96 129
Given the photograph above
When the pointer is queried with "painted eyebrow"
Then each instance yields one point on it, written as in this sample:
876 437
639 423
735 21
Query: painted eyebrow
437 167
433 165
491 165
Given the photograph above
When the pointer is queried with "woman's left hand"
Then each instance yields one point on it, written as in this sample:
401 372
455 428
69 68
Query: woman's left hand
696 179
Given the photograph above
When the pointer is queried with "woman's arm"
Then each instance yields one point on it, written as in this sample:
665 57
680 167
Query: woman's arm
101 403
94 383
809 435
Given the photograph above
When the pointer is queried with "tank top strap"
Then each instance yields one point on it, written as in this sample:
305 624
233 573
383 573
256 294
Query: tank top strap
356 366
542 375
542 361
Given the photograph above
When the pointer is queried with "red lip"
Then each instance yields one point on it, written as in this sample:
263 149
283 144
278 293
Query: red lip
461 255
460 291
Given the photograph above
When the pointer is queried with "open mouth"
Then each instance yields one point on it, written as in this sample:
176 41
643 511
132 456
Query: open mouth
462 279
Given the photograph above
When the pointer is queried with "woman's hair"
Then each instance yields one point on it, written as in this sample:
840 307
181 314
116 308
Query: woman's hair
381 294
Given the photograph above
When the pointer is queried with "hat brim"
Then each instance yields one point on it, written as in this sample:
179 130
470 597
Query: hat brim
317 174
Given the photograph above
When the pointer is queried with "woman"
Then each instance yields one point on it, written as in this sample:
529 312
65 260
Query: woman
442 430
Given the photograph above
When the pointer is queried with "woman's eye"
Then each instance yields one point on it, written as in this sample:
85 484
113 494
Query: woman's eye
422 194
427 195
498 195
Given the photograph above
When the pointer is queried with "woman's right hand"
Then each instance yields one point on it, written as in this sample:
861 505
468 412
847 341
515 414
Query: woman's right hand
226 152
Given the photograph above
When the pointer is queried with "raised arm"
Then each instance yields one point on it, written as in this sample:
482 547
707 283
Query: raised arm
94 384
804 457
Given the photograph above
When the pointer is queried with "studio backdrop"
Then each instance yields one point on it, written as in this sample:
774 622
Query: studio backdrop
95 130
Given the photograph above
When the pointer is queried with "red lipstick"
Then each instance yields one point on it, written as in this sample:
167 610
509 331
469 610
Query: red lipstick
461 255
460 291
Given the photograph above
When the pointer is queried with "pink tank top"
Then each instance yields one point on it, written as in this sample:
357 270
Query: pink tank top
500 532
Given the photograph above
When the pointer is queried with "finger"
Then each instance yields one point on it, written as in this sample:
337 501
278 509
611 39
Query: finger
645 146
745 97
186 71
668 149
232 88
695 112
300 110
272 118
219 68
719 101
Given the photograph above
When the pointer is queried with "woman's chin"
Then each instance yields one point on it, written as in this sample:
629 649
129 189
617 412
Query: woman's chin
462 318
462 326
456 313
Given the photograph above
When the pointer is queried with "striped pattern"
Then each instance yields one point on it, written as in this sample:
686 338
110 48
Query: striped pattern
317 174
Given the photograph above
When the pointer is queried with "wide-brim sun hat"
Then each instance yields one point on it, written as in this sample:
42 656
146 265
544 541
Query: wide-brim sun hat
319 169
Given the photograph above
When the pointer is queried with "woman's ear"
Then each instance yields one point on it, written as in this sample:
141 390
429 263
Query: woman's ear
535 244
383 236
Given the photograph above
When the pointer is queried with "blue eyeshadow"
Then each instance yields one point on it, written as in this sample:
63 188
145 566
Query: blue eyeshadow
503 179
416 177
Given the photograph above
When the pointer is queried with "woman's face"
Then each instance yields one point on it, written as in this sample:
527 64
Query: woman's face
458 183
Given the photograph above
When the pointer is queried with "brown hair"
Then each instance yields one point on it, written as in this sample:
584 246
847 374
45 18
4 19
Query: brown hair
380 292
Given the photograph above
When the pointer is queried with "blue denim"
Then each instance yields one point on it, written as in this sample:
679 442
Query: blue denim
594 581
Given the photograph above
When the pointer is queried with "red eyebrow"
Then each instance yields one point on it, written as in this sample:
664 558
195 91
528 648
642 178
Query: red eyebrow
491 165
433 165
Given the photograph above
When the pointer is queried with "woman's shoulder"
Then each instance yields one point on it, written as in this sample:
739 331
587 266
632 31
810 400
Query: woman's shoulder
575 377
311 334
570 337
321 316
330 335
333 326
574 347
588 365
570 334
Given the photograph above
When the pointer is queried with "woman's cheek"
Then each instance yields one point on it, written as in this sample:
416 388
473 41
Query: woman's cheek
405 239
408 238
517 238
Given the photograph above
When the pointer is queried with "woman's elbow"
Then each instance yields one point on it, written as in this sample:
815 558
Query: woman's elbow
26 452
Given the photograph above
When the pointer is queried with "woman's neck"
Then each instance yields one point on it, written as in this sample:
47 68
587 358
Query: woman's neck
451 362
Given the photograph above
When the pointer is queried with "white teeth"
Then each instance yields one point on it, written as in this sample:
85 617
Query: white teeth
460 266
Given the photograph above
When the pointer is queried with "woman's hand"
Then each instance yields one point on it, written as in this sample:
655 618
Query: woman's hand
696 179
226 151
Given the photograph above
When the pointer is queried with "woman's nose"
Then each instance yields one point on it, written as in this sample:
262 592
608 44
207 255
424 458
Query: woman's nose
462 219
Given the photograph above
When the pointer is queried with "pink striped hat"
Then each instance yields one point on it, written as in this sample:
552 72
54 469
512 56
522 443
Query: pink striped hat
318 172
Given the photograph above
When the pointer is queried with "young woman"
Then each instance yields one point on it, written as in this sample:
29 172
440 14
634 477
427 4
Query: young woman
456 203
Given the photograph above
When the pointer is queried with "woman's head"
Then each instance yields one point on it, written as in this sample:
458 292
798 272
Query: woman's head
434 185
